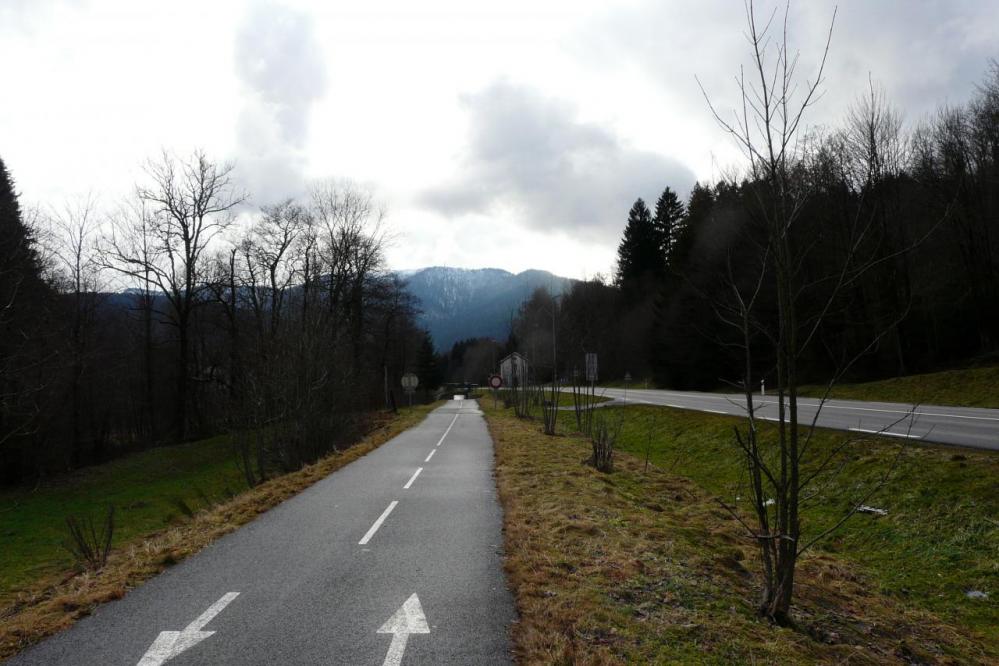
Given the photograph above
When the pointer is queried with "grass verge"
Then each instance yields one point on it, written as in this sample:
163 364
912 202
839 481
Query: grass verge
643 566
564 397
143 547
149 490
971 387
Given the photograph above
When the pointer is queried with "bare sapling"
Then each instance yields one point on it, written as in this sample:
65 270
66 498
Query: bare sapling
89 542
786 472
603 437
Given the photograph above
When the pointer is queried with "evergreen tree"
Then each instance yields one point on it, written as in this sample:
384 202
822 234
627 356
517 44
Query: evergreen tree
22 301
699 206
428 365
19 265
638 256
667 221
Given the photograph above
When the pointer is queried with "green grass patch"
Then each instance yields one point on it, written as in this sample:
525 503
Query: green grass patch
642 565
939 540
564 398
145 489
972 387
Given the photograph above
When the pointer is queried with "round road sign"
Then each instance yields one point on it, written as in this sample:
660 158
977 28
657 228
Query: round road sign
495 381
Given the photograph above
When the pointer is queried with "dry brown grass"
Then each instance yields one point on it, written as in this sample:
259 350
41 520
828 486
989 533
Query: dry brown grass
636 567
55 604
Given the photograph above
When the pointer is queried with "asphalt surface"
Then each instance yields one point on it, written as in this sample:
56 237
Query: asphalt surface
309 593
958 426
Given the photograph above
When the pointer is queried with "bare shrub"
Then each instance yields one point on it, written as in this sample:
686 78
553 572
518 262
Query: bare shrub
89 543
603 437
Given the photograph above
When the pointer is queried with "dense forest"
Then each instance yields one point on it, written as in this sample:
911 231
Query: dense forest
184 312
900 226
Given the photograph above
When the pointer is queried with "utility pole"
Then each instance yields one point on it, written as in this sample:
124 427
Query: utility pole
554 350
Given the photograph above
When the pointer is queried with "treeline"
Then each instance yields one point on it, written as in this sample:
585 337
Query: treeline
183 313
917 209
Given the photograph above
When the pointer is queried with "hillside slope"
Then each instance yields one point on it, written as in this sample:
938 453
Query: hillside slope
460 303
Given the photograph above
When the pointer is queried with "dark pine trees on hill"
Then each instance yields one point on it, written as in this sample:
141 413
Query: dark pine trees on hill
668 222
639 258
23 300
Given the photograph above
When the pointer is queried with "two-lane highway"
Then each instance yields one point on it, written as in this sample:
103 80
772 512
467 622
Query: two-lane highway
394 559
960 426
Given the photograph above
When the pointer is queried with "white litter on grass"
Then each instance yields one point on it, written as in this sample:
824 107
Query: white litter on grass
863 508
769 502
976 594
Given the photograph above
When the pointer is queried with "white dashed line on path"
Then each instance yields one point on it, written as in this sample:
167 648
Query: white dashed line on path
412 478
378 523
441 440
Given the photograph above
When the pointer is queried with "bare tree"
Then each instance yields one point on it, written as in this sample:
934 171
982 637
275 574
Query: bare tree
767 129
130 234
350 244
190 202
786 474
72 243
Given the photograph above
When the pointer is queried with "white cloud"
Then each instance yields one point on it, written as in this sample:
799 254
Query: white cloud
532 161
599 103
281 67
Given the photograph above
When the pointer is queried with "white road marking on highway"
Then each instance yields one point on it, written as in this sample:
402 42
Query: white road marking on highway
714 411
412 478
430 455
409 619
171 643
886 433
674 406
378 523
441 440
907 412
827 405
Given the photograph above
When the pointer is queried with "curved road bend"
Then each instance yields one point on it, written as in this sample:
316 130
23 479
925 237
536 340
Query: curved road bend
393 559
961 426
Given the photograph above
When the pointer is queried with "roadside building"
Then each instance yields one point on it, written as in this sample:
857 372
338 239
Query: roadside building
513 370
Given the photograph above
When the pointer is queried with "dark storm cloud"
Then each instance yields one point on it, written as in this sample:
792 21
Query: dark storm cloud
530 156
280 64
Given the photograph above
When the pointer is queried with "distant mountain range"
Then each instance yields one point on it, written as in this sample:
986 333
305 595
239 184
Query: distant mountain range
460 303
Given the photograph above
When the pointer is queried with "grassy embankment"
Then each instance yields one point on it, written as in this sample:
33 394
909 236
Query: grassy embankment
564 398
968 387
41 591
644 566
971 387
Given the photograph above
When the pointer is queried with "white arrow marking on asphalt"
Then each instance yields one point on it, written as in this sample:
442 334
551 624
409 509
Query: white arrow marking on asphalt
409 619
412 478
171 643
430 455
378 523
441 440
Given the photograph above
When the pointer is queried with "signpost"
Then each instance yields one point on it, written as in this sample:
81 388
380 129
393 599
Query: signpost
409 384
591 367
627 381
495 383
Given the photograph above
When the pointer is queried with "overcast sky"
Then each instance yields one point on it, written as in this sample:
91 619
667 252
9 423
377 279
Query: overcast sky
512 134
